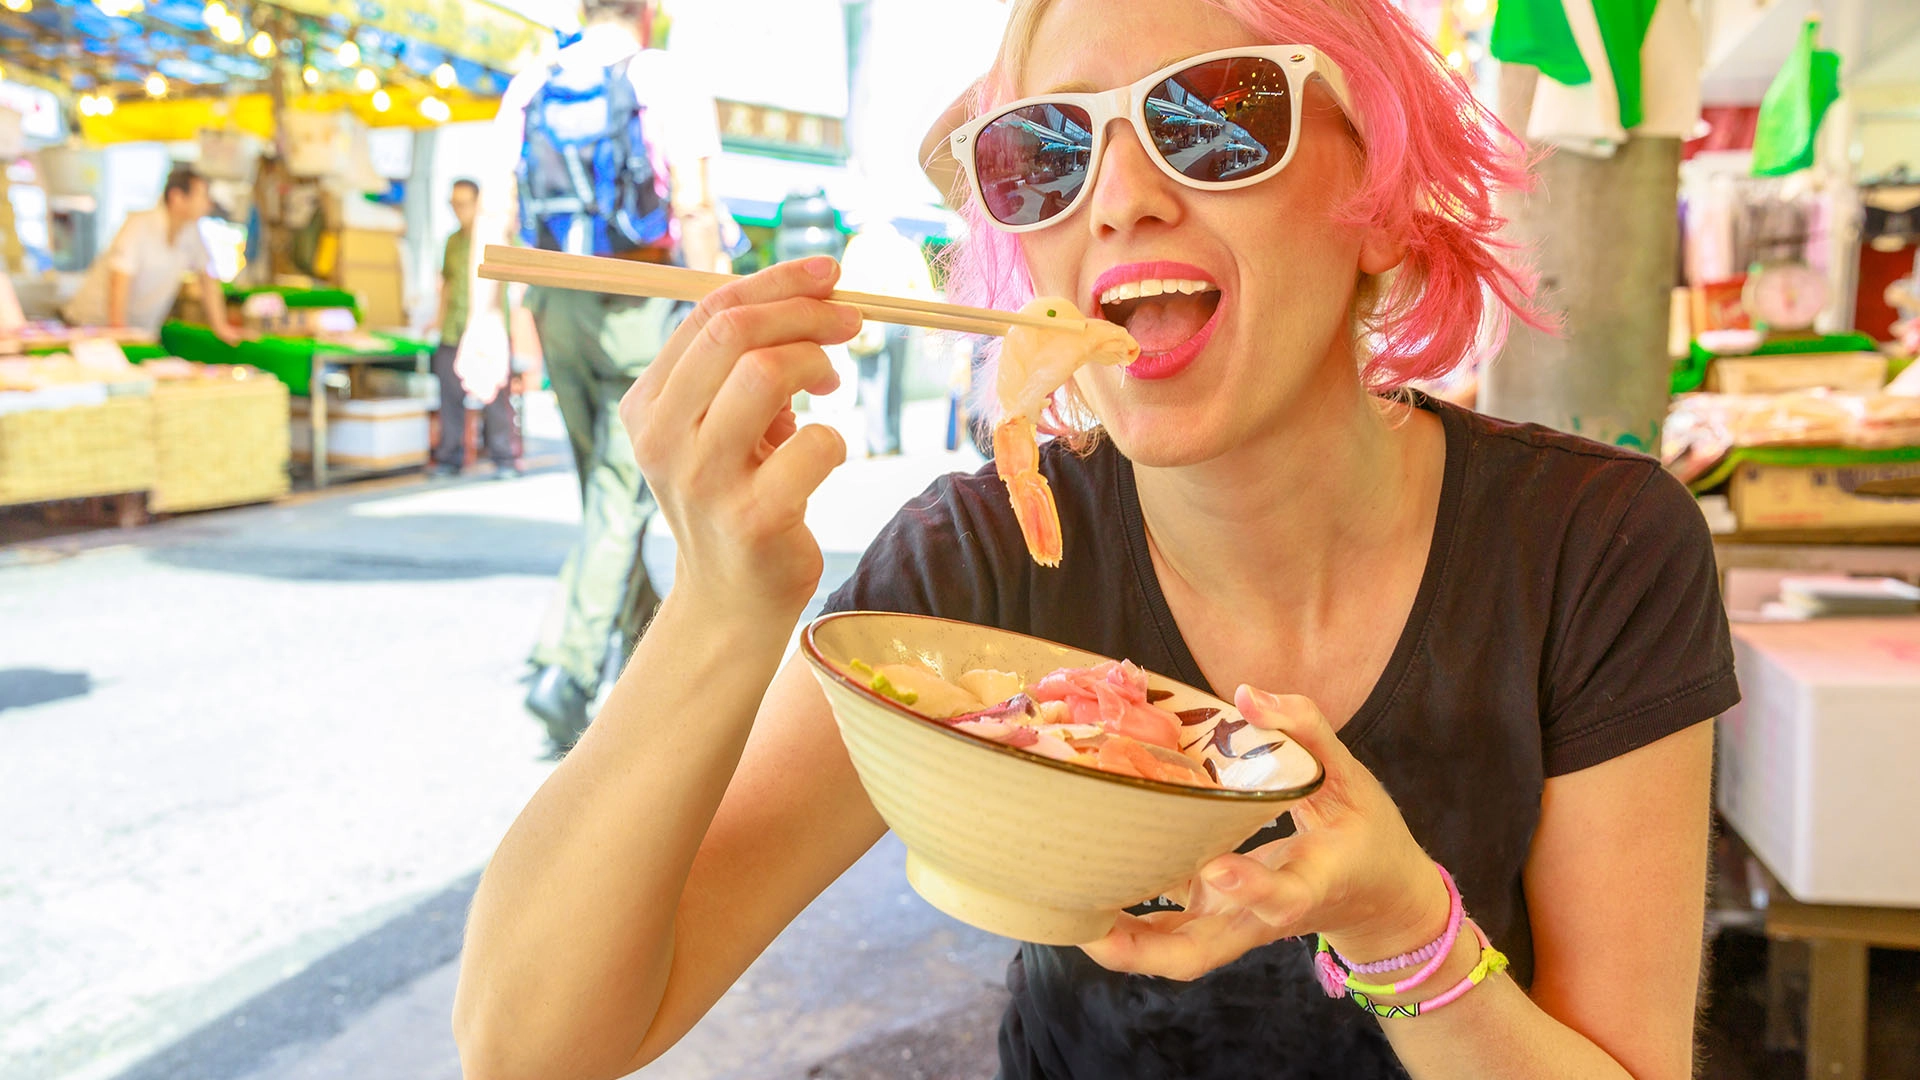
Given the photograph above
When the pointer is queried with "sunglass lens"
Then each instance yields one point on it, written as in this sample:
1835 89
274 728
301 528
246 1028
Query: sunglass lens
1032 162
1223 120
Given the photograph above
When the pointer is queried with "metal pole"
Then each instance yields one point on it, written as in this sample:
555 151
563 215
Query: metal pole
1603 234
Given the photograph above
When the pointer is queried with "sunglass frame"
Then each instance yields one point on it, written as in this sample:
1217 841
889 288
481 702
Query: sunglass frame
1300 63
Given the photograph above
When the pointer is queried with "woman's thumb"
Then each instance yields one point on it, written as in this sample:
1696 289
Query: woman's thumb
1292 715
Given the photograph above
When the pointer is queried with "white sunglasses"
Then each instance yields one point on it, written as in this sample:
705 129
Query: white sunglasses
1217 121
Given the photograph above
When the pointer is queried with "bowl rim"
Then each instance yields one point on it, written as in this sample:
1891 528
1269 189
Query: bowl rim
820 663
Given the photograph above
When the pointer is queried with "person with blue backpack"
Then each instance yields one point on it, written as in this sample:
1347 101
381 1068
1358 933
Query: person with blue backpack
612 141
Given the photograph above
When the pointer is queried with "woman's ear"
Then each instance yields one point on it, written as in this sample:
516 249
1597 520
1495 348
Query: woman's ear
1380 251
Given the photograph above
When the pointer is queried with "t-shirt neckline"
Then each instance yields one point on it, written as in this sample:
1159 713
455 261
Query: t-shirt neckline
1412 635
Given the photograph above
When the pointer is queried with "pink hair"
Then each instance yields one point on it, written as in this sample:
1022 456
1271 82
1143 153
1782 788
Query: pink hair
1434 158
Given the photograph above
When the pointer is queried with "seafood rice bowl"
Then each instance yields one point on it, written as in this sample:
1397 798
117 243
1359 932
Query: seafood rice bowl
1090 785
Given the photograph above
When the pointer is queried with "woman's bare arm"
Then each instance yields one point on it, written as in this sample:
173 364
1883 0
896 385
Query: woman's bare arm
1616 888
641 881
626 897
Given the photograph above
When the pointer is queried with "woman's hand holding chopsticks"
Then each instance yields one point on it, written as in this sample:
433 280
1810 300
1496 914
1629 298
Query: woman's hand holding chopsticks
715 434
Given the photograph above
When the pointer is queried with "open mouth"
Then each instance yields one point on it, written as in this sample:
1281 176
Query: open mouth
1161 313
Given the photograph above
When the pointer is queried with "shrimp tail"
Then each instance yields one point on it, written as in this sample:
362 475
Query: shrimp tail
1016 457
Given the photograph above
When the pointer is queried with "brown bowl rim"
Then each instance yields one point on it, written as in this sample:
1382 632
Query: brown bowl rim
821 663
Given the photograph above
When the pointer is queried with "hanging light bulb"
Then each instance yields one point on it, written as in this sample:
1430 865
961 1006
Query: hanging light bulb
382 101
434 109
348 53
103 104
366 80
214 13
86 105
261 45
156 85
310 75
443 76
230 30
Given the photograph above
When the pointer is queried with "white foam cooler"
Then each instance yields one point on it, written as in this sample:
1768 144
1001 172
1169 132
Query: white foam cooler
1820 762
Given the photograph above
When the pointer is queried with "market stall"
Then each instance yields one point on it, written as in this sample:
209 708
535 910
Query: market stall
1796 420
293 111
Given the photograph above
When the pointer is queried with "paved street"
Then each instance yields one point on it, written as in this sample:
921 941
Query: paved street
252 761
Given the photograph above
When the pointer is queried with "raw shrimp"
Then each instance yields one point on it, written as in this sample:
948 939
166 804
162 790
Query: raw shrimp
1033 364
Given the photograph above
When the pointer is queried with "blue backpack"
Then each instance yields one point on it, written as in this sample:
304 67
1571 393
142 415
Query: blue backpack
590 182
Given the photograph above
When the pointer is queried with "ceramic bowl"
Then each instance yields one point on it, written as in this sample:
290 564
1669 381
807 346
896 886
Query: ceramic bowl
1024 846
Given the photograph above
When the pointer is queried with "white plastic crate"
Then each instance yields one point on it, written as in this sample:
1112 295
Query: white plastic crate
1820 763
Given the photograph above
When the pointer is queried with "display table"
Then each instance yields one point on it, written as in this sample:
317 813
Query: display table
1830 943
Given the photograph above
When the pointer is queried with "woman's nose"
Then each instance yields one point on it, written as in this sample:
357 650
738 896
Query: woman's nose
1130 190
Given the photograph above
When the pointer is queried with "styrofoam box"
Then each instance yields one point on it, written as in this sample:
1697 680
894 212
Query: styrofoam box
1820 762
366 430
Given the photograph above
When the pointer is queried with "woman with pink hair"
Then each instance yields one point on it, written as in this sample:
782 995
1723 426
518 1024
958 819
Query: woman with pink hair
1505 643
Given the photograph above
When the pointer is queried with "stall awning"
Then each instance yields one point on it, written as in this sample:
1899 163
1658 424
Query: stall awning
176 120
473 29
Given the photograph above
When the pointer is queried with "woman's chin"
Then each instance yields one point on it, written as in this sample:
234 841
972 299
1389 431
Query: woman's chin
1165 441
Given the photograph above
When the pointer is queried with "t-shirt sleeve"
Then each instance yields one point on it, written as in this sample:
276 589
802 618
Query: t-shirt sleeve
933 558
123 255
1645 650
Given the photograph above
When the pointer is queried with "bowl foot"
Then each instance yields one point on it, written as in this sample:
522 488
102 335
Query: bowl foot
1006 915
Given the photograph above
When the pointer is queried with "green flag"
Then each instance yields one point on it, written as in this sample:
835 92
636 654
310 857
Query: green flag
1791 112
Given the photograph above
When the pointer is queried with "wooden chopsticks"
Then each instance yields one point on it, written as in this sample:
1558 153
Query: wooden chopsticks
555 269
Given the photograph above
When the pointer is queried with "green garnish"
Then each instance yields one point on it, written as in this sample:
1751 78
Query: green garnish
879 684
1052 314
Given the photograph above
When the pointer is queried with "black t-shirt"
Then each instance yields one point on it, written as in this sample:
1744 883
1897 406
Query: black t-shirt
1569 612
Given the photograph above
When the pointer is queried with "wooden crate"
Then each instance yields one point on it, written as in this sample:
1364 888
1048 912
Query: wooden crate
74 453
219 442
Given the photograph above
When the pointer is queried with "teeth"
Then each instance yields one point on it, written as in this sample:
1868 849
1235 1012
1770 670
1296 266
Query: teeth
1155 287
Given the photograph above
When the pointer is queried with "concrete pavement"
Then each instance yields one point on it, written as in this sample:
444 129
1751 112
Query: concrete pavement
251 762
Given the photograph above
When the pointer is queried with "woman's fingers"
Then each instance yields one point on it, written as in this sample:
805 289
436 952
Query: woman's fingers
1281 897
1181 951
733 337
799 465
760 386
815 277
1297 717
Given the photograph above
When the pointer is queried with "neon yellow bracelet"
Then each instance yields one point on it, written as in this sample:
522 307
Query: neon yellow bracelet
1492 962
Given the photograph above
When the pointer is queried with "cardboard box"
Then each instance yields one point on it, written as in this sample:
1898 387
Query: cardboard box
367 433
1853 373
1776 497
1818 764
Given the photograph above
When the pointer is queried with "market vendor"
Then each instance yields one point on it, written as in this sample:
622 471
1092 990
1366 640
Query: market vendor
136 282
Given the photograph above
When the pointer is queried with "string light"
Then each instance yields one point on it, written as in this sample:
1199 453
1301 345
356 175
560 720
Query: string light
348 53
434 109
443 76
215 13
366 80
310 75
261 45
156 85
103 104
230 30
382 101
86 105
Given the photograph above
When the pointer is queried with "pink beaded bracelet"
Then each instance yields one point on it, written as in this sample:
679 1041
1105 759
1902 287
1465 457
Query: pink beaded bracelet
1338 977
1492 962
